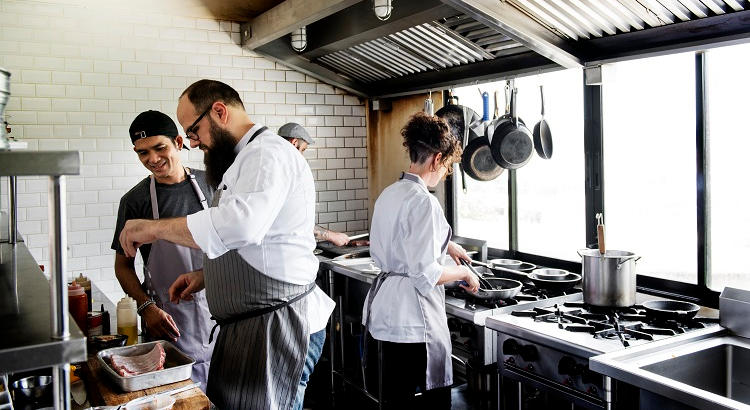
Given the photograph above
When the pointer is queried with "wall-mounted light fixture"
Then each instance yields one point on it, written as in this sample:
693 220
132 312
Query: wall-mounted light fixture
299 39
383 9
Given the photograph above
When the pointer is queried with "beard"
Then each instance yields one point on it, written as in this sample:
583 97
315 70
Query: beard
220 156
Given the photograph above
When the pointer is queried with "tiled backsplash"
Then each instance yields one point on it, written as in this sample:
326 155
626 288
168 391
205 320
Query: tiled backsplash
81 71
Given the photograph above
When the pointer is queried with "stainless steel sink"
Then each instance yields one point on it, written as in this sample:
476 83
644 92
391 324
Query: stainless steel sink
706 369
722 370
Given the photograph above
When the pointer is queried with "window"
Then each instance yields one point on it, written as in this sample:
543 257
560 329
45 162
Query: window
483 208
727 146
649 163
551 192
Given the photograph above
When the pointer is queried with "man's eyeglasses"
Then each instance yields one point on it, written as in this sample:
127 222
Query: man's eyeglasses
189 132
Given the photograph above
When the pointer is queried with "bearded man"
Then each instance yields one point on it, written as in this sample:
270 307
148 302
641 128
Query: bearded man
259 269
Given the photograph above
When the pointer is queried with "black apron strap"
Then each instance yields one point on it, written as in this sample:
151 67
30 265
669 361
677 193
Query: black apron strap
257 312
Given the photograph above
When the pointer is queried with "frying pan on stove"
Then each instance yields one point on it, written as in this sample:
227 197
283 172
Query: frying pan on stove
502 272
494 288
556 285
670 309
501 289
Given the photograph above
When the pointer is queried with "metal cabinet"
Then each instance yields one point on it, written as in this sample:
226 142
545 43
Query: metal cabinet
34 310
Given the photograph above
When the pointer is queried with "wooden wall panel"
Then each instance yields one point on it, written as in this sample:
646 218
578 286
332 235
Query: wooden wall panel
386 155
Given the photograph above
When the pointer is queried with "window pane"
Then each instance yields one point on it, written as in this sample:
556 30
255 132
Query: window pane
483 209
551 194
728 144
649 163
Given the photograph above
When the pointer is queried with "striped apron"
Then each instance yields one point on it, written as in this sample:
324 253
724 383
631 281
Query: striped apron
262 343
166 262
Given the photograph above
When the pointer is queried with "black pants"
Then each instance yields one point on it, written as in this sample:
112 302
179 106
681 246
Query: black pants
404 375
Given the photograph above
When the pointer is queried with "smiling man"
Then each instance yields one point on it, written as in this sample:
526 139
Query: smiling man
170 191
259 270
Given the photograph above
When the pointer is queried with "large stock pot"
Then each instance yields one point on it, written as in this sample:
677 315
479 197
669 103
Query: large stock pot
609 278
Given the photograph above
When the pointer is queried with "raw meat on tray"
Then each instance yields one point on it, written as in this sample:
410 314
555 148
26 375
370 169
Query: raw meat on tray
135 365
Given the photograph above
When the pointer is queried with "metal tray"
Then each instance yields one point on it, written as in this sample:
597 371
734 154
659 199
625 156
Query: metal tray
177 366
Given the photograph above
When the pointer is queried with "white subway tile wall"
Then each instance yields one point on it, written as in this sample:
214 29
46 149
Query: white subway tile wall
81 71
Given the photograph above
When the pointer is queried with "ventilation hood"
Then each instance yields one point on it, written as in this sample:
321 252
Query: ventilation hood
432 44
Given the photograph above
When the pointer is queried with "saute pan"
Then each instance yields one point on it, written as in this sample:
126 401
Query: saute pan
557 285
670 309
512 143
502 272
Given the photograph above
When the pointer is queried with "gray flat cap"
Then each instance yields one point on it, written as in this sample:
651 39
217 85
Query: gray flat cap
294 130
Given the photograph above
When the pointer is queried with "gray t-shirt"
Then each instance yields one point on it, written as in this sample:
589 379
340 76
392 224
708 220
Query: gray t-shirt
174 200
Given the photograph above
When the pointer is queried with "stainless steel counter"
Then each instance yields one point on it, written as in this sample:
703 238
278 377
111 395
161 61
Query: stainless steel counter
706 369
349 268
27 341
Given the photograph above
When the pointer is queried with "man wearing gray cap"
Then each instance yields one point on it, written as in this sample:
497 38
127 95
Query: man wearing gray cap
170 190
300 138
297 135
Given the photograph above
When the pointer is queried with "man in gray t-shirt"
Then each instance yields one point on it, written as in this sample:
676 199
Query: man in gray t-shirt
170 191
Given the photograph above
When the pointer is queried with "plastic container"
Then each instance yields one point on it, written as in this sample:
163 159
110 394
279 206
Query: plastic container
127 319
77 305
162 402
86 283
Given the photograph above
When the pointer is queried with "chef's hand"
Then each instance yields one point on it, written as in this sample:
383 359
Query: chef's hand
135 233
337 238
472 281
457 252
185 285
160 324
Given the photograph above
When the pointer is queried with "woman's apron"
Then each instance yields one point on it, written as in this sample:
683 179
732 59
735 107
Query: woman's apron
263 338
166 262
437 335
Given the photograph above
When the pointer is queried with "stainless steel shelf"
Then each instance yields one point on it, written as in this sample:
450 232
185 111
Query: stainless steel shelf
27 341
26 163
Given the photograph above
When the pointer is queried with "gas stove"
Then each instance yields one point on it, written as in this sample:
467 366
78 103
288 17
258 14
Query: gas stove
474 348
548 347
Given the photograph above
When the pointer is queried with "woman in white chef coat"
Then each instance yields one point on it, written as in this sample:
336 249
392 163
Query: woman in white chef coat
409 240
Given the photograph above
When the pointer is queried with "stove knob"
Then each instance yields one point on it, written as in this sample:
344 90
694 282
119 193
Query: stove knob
568 366
529 353
511 347
592 390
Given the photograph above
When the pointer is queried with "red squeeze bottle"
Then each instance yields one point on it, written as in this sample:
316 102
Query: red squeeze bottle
78 305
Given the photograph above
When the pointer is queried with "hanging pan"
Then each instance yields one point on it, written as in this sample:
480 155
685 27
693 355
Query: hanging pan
477 159
512 144
542 134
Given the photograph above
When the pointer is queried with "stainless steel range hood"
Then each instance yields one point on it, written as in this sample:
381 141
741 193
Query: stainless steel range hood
432 44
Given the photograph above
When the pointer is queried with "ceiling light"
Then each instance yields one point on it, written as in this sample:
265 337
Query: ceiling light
299 39
382 9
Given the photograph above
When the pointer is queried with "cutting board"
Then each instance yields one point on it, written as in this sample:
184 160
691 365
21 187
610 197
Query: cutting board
101 391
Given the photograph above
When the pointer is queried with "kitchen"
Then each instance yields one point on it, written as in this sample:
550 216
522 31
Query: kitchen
82 71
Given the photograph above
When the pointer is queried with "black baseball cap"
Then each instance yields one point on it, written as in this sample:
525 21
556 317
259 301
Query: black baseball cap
150 123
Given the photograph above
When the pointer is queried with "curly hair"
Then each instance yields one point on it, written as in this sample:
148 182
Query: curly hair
426 135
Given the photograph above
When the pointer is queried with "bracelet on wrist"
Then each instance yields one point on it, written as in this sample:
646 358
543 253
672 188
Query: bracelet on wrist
145 304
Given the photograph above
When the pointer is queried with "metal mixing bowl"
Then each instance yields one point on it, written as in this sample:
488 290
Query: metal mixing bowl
33 387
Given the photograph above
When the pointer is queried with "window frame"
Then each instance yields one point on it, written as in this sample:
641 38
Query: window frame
594 191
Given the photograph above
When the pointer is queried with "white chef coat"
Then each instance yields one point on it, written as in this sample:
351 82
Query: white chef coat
406 235
267 213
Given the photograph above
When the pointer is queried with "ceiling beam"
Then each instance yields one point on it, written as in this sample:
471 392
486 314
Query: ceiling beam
280 51
724 29
287 17
358 24
485 71
510 21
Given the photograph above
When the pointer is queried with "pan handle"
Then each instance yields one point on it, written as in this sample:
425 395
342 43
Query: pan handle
634 258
